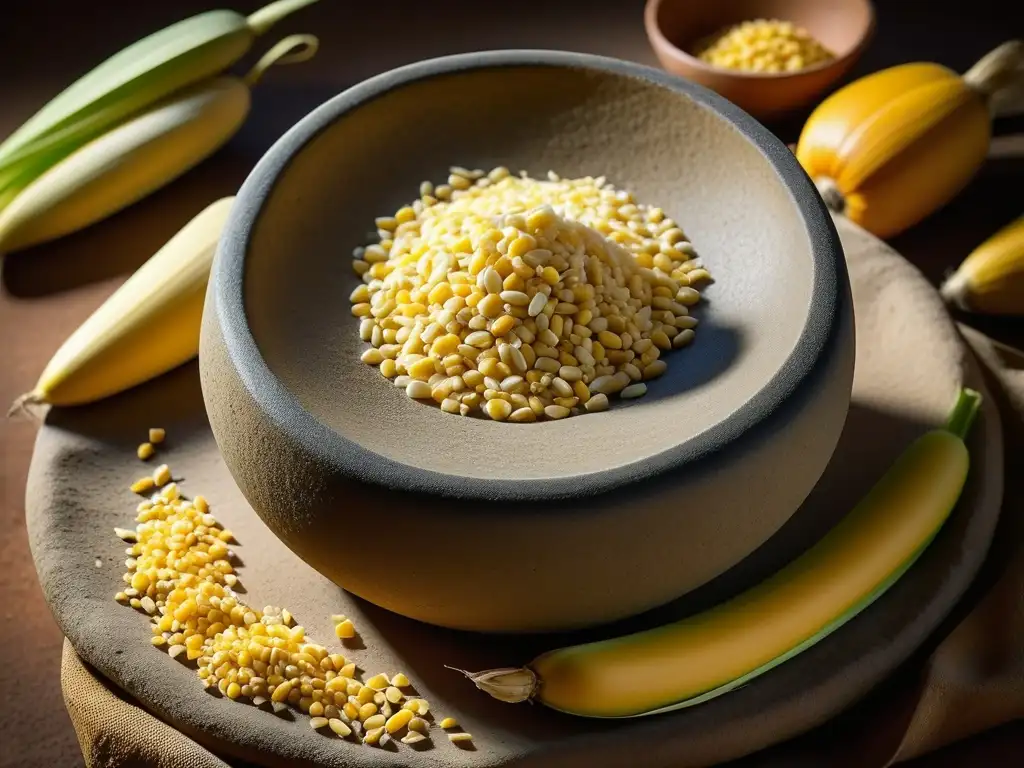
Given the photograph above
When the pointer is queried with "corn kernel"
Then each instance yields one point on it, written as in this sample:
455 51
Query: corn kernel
162 475
461 296
764 45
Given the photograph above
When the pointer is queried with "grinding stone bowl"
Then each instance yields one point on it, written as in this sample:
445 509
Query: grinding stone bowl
478 525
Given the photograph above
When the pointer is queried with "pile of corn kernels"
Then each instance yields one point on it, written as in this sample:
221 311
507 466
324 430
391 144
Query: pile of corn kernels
764 45
525 299
180 573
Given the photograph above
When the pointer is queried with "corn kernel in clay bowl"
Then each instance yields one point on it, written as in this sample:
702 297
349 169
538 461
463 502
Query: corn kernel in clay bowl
763 45
527 526
768 57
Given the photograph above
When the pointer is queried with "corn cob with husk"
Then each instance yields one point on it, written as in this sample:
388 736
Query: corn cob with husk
139 156
159 106
893 147
147 327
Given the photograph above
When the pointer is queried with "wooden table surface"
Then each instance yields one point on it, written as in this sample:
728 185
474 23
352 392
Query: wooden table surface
48 291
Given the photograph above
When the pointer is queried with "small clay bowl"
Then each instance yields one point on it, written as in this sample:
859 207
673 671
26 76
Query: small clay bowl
474 524
675 27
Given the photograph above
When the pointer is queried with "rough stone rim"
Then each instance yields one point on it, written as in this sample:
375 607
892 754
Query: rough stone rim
764 413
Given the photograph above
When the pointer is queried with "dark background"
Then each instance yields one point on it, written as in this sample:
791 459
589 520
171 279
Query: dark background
47 292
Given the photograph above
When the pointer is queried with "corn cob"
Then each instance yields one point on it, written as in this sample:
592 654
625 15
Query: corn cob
991 279
137 157
893 147
139 76
704 656
147 327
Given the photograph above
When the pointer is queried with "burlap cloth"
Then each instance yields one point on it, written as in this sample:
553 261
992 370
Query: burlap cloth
973 679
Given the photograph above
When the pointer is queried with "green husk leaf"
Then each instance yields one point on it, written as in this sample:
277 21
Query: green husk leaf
132 80
137 76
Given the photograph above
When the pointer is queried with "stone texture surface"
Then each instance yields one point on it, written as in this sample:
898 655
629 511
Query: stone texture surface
85 461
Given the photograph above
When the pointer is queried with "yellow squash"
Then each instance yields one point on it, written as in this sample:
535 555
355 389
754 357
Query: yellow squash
893 147
698 658
991 279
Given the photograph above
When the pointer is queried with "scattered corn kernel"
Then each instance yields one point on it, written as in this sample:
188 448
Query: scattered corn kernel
162 475
460 738
179 572
449 722
339 727
378 682
417 706
145 451
399 720
633 390
413 737
142 485
400 680
345 629
157 435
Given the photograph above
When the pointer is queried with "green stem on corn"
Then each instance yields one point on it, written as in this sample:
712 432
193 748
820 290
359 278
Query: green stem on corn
965 410
263 19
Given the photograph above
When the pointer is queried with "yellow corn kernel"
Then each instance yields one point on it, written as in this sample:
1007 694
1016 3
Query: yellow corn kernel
339 727
503 325
366 694
162 475
378 682
399 720
445 345
550 275
417 706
